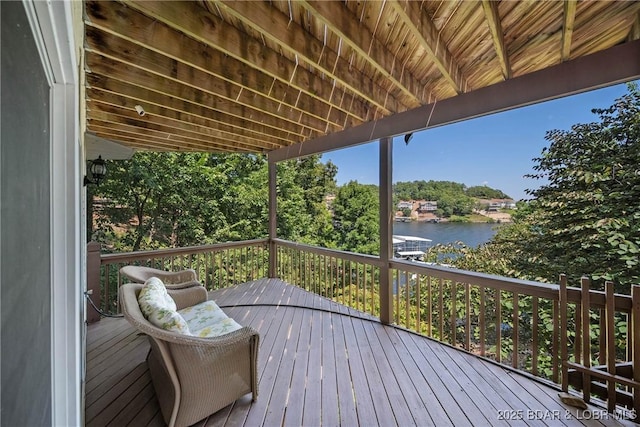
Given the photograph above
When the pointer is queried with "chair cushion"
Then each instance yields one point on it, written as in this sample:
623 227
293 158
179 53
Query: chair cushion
159 308
217 329
208 320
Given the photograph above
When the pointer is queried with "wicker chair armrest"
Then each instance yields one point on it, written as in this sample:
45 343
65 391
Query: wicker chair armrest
140 274
183 285
188 296
180 277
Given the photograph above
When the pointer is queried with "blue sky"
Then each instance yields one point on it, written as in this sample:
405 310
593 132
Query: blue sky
496 150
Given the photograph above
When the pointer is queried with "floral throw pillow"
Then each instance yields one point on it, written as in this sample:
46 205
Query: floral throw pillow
159 308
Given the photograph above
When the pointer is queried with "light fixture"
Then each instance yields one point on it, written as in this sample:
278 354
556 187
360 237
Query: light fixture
407 138
98 170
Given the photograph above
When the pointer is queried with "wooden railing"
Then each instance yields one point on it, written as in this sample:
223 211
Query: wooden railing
520 324
605 346
350 279
219 265
514 322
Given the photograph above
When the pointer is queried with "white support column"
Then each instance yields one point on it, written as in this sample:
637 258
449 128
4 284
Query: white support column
386 229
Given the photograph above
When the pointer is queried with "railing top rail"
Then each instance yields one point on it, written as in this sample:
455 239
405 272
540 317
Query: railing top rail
142 255
349 256
519 286
623 303
543 290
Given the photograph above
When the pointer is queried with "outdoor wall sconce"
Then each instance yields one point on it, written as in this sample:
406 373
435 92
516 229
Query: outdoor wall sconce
98 170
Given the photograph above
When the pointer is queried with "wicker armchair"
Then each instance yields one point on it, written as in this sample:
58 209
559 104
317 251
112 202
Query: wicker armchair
173 279
194 377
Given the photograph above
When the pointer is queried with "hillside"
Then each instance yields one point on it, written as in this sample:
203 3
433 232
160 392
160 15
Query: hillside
450 201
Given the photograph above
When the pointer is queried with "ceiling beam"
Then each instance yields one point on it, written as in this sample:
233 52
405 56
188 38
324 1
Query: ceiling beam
136 28
634 34
192 20
421 26
104 89
341 21
138 57
294 39
133 131
568 19
495 28
150 143
109 113
568 78
112 69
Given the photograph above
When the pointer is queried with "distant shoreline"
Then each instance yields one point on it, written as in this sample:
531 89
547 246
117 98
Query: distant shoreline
477 217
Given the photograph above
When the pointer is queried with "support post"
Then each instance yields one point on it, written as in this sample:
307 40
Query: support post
386 218
273 228
93 280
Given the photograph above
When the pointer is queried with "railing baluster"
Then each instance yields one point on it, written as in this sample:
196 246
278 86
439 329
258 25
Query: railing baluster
454 297
610 328
481 322
498 325
514 335
418 303
357 276
373 291
441 309
577 344
586 339
429 308
468 314
407 302
563 327
534 332
107 285
633 330
555 353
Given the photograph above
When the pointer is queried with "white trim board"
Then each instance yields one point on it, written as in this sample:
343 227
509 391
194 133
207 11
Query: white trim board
52 25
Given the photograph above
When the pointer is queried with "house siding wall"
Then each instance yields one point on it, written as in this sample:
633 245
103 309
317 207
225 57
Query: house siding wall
25 216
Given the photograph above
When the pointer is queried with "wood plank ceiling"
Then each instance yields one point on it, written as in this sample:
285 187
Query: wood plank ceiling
244 76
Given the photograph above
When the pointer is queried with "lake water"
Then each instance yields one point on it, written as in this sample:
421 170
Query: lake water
472 234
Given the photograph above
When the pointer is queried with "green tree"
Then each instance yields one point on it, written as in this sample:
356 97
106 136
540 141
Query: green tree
302 213
451 196
585 220
156 200
485 192
356 218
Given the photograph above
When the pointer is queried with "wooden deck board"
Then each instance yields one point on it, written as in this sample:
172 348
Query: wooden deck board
324 365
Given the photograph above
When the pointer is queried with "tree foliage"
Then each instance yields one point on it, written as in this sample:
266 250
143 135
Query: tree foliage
355 218
485 192
302 213
585 220
451 196
156 200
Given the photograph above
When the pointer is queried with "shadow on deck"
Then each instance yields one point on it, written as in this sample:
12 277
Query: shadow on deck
321 363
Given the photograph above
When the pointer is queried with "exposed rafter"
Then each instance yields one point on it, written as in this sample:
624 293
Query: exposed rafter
191 20
143 31
495 27
569 18
568 78
370 48
295 77
293 38
423 29
634 34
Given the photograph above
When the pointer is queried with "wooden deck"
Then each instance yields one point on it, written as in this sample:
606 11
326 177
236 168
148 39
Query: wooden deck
321 363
